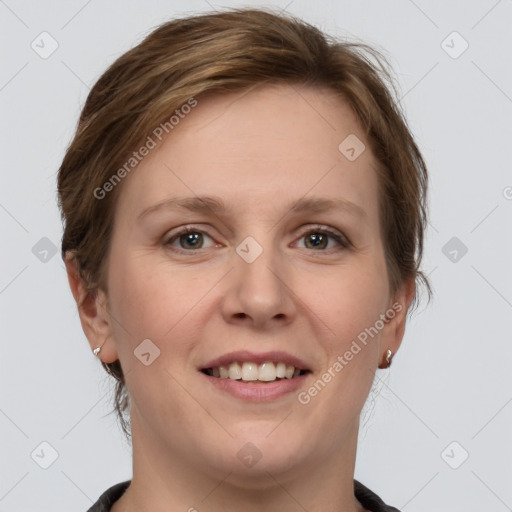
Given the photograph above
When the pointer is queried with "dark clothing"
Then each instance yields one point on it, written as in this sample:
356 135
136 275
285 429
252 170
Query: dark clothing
367 498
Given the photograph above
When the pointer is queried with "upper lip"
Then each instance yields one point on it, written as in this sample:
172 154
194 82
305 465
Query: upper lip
242 356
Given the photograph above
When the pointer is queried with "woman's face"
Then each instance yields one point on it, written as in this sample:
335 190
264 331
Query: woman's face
256 276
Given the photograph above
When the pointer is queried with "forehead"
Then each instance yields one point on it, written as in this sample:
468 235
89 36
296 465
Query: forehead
271 145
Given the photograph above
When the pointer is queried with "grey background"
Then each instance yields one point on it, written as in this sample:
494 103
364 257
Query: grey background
451 380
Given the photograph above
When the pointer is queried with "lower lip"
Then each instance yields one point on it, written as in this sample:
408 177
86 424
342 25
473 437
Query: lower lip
257 392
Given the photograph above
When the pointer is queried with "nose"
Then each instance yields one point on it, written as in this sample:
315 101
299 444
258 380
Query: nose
260 292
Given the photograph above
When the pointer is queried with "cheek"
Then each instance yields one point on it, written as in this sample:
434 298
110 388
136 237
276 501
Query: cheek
151 302
354 302
154 299
148 301
353 307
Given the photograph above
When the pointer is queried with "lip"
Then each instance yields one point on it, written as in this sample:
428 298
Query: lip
260 392
242 356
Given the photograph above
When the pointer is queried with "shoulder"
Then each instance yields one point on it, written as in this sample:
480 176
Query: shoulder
109 497
370 500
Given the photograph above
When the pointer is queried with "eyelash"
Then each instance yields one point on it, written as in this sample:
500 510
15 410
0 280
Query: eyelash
341 239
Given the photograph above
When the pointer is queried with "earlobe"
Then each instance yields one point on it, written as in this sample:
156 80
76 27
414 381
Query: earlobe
93 313
106 352
395 324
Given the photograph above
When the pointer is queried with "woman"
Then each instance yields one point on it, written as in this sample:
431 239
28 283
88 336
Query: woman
244 209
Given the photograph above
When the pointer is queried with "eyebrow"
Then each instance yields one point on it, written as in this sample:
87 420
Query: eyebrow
205 204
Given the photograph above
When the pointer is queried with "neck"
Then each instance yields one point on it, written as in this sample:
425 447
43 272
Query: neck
163 482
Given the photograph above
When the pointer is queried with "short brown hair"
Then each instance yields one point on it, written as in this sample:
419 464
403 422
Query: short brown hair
223 52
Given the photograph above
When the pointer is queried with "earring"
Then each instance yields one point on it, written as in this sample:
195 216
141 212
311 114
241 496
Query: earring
389 355
96 351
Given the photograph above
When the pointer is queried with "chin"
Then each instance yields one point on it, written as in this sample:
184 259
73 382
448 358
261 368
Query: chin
260 452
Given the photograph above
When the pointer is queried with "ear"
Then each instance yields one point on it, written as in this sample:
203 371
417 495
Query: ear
93 312
393 332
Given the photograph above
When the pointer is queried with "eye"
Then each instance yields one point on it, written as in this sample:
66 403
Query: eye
189 239
317 238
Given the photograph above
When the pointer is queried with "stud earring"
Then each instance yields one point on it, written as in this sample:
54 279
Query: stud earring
389 356
96 351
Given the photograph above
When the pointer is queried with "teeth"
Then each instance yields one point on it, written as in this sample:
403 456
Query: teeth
266 372
235 371
249 371
281 370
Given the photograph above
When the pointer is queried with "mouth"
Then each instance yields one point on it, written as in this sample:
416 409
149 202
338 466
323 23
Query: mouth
254 377
247 371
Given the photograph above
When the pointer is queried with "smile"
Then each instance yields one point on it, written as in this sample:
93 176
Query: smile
253 372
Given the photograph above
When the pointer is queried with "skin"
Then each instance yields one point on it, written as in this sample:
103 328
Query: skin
307 300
